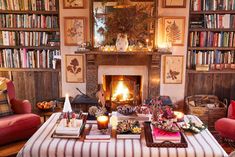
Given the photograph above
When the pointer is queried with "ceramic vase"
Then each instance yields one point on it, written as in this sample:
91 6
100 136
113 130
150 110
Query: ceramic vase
122 42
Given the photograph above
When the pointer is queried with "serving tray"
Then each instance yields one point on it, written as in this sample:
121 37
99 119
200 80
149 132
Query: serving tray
150 143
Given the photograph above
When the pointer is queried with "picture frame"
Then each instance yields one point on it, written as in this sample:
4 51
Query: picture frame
173 69
74 67
73 4
174 4
174 30
74 31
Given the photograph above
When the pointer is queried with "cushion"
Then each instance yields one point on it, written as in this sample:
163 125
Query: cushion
5 108
232 108
18 126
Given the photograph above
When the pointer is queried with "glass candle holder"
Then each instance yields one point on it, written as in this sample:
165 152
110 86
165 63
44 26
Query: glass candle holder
102 122
179 116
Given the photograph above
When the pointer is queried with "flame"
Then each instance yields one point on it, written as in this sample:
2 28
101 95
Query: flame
121 92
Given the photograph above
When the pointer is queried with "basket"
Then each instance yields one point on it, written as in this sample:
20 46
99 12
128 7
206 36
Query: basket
207 107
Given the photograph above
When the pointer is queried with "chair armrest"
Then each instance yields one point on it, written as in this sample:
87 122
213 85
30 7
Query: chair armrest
21 106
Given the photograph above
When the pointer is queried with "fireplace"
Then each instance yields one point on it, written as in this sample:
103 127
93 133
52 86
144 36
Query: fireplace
142 67
122 90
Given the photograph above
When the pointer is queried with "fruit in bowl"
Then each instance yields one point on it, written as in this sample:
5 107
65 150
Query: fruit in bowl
44 105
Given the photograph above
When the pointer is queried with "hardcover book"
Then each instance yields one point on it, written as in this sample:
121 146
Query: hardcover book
94 134
161 136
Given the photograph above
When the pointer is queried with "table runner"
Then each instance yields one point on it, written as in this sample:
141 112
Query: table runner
41 144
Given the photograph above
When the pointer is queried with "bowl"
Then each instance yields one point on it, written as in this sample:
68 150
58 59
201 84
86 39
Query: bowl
126 109
45 106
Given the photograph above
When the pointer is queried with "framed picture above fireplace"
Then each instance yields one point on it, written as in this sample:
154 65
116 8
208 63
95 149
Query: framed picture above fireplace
173 69
74 68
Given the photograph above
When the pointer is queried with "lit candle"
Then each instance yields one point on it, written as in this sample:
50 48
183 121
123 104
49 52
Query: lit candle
147 42
102 122
179 116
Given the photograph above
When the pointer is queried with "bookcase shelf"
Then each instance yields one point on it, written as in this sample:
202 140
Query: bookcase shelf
29 12
211 71
212 29
212 12
211 48
30 69
31 47
31 29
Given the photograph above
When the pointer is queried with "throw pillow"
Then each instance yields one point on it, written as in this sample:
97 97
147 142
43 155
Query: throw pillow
232 109
3 83
5 108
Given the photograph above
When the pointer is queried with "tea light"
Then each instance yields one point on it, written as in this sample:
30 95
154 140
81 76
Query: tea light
102 122
179 116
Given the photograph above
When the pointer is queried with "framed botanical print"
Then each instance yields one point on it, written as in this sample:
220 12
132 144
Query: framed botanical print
173 69
74 31
73 4
174 3
174 28
74 68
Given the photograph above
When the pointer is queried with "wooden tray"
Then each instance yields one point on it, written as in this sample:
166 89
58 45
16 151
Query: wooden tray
150 143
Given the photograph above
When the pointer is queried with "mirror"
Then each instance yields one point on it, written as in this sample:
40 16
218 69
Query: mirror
132 18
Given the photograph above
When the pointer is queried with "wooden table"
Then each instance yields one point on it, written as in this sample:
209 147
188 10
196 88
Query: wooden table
42 144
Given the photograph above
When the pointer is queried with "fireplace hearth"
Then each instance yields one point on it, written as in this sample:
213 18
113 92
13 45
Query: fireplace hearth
144 64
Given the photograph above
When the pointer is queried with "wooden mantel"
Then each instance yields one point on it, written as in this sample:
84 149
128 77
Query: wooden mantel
150 59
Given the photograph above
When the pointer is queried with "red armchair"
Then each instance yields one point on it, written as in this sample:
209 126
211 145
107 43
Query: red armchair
22 123
226 126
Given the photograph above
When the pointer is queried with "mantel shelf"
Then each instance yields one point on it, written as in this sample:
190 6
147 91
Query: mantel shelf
122 53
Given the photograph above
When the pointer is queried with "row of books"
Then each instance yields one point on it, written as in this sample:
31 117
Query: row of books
205 5
10 38
34 5
209 57
23 58
220 21
28 21
211 39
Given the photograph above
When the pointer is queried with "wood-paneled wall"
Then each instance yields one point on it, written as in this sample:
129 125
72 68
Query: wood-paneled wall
35 86
219 84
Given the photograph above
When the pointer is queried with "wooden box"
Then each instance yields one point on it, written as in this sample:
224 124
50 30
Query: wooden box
207 107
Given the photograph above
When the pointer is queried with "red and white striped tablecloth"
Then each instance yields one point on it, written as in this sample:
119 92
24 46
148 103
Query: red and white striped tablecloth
41 144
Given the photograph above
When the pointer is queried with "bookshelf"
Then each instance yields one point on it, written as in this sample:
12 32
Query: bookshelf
29 44
211 44
211 35
29 33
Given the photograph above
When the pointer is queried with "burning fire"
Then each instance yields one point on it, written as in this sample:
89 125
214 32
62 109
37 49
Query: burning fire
121 93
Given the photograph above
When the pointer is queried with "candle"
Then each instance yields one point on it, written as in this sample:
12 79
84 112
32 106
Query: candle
179 116
147 42
114 121
102 122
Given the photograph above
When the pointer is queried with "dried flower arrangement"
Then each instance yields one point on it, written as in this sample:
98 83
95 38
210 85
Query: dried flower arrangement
133 21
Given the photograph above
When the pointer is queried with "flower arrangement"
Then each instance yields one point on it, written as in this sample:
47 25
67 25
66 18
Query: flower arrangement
163 116
95 111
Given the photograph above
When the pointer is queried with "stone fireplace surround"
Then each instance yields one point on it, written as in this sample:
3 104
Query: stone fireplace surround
96 62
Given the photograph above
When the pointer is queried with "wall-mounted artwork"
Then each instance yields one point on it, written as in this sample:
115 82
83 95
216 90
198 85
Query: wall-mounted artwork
73 4
74 31
173 69
174 28
174 3
74 68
